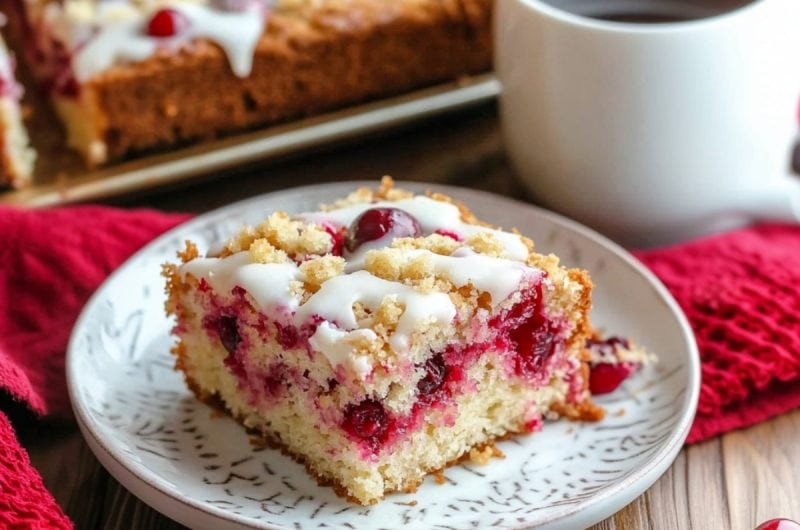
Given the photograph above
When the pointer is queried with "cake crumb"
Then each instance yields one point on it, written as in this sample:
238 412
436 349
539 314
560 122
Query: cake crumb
239 242
389 313
318 271
436 243
486 243
383 264
189 252
409 503
620 412
261 251
389 192
482 455
438 476
418 268
584 411
296 238
258 441
496 452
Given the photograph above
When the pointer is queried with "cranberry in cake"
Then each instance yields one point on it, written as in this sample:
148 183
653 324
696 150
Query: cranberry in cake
383 337
612 360
16 155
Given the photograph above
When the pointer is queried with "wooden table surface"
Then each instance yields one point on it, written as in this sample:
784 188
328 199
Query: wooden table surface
732 482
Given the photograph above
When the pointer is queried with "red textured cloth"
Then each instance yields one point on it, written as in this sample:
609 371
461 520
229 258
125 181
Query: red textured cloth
741 293
50 263
24 501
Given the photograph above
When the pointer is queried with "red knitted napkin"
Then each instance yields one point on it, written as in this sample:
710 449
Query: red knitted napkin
50 263
741 292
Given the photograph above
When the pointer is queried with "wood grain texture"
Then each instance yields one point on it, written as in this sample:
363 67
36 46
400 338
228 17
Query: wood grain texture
733 482
729 483
761 471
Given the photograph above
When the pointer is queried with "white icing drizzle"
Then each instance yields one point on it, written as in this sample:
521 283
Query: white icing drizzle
101 34
431 214
334 303
122 41
268 283
496 276
340 347
236 32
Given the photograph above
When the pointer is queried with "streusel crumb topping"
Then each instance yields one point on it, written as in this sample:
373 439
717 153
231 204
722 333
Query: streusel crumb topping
262 251
295 238
319 270
485 243
438 244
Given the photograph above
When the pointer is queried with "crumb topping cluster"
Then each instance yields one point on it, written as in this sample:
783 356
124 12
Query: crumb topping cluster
280 239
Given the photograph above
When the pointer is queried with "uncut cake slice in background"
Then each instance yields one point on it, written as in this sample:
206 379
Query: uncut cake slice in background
383 337
16 155
128 76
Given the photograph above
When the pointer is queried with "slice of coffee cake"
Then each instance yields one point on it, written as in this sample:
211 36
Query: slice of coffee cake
383 337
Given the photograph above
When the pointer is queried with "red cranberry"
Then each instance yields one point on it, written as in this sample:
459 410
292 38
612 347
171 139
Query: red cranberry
338 239
614 342
377 222
228 331
606 377
435 372
67 87
534 425
235 364
367 419
274 379
450 234
779 524
167 23
534 347
535 342
287 335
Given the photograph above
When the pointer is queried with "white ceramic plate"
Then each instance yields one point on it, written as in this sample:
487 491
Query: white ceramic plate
178 456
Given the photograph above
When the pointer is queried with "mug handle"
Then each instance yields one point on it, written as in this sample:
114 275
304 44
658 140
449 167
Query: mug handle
780 201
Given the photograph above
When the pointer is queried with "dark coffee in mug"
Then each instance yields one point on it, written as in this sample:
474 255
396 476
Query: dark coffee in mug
641 18
649 11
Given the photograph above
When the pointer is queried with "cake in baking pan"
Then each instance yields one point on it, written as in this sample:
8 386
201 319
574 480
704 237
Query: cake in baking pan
128 76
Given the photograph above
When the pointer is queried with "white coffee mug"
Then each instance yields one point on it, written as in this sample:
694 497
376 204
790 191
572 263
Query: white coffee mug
653 132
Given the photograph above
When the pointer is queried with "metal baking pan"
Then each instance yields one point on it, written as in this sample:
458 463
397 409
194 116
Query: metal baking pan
60 176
